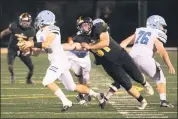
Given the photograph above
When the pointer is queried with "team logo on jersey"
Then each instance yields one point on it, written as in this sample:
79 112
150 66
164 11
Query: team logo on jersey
41 39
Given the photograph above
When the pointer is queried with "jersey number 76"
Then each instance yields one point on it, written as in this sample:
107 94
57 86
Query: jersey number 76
143 37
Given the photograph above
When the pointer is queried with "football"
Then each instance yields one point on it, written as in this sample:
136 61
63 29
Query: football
26 51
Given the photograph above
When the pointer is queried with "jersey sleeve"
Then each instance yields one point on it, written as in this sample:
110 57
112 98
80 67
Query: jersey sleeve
12 26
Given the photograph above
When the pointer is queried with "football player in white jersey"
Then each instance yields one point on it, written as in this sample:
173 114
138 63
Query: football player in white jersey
80 64
147 40
49 39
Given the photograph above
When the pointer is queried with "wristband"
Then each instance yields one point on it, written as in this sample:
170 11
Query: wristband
38 44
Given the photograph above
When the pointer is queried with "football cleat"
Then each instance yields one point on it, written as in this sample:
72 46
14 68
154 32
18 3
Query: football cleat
29 82
66 106
80 99
102 102
165 103
148 88
142 104
87 97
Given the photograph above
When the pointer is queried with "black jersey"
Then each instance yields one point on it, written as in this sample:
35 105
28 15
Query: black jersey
15 28
81 38
109 53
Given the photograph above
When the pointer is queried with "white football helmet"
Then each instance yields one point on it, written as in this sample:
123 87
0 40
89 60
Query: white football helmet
44 18
155 22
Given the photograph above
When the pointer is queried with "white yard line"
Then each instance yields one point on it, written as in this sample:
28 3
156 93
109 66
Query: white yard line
126 105
58 103
71 113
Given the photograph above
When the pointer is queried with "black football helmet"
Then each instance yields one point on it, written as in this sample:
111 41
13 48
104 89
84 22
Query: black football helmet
25 20
81 25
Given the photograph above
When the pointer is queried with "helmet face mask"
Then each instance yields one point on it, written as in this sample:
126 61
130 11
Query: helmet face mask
163 28
25 20
85 28
84 25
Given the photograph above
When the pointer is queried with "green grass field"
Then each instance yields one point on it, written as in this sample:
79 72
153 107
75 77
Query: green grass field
20 100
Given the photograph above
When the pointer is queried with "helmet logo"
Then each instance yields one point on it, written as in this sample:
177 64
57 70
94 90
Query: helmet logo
80 21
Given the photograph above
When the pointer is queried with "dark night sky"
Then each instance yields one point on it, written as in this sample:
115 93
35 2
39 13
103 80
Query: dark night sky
123 19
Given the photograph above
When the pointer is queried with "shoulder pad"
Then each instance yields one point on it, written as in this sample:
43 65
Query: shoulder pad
53 29
13 26
161 36
98 21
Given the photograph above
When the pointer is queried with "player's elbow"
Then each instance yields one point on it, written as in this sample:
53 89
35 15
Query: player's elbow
107 44
122 44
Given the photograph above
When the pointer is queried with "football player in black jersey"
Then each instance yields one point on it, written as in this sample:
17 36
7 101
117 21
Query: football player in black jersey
22 27
114 59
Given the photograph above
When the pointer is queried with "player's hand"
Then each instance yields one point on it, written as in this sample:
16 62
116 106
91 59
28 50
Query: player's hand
172 70
26 44
85 45
77 46
21 36
35 51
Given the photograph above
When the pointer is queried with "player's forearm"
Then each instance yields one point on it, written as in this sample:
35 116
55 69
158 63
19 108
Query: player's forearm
72 46
67 46
127 41
124 43
166 58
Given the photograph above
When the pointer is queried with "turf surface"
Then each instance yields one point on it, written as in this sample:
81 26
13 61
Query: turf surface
20 100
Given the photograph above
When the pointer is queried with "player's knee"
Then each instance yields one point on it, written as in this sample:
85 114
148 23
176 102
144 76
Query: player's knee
159 77
45 81
86 77
71 87
127 87
31 67
10 67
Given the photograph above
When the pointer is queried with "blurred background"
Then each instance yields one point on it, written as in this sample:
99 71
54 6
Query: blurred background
123 16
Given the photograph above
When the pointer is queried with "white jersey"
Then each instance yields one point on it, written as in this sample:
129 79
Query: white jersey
56 54
144 41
